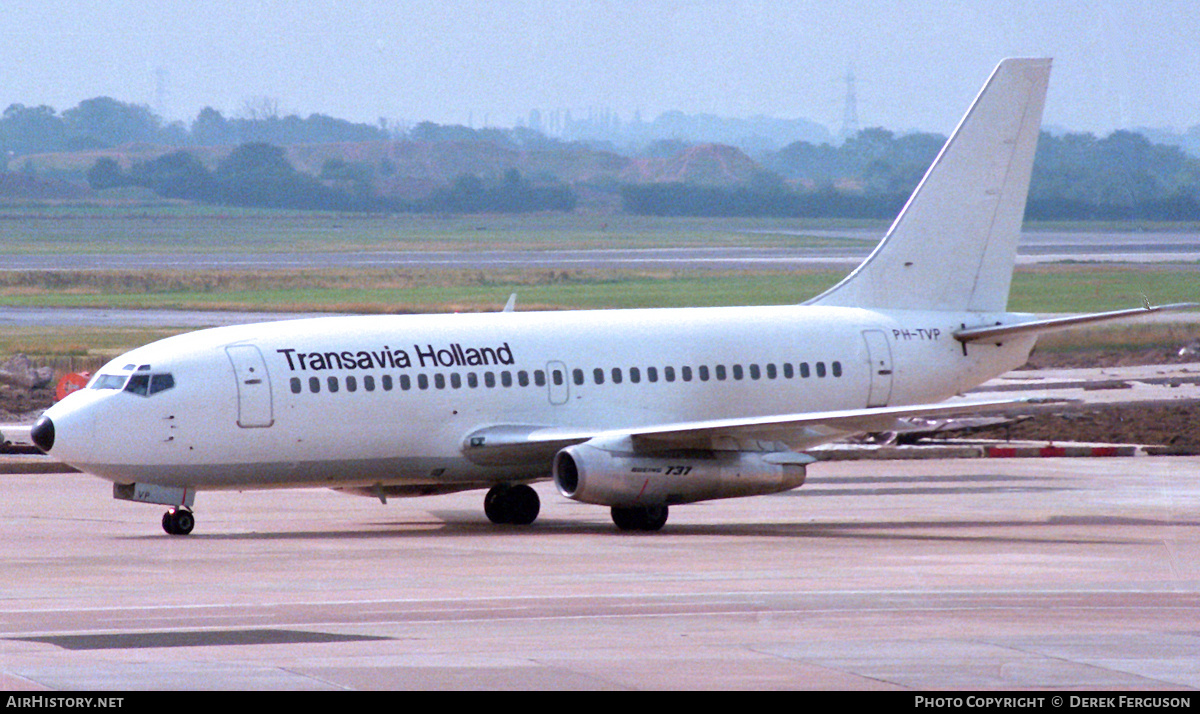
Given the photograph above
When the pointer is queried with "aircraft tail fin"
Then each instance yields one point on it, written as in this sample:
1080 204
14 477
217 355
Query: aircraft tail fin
954 244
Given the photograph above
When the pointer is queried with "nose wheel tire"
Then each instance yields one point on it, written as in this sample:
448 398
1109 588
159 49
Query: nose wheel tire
178 521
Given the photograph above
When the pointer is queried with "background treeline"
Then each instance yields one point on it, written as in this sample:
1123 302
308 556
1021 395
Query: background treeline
1075 177
239 161
104 122
260 175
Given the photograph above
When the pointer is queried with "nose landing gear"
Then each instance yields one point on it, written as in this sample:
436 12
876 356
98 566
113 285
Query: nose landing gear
178 521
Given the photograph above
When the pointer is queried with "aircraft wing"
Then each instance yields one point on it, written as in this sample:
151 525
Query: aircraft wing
516 443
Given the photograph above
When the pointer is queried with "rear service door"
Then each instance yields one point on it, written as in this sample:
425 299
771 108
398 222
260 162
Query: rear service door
880 355
254 386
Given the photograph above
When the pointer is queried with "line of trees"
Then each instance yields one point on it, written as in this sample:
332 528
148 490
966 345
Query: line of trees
104 122
1075 177
512 194
260 175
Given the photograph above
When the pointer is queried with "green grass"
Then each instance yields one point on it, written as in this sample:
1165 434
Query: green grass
1042 289
377 291
1097 286
185 228
1121 337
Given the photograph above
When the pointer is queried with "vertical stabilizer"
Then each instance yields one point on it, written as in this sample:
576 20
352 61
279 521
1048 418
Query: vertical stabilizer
954 244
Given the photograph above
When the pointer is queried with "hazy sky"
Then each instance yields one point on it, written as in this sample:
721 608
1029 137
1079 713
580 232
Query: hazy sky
1118 63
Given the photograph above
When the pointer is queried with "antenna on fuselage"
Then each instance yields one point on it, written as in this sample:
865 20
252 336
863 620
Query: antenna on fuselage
511 305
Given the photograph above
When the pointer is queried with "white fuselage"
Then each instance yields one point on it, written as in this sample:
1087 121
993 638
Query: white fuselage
388 400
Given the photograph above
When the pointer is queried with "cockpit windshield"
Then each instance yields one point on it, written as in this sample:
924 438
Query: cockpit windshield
109 381
144 385
147 385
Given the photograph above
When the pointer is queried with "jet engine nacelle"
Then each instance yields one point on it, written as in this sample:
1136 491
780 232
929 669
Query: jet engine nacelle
592 474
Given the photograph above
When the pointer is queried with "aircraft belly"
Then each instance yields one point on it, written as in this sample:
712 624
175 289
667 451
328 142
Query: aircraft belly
310 473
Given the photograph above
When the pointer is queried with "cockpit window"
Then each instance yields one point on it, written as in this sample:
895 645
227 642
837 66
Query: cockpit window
109 381
147 385
161 382
138 384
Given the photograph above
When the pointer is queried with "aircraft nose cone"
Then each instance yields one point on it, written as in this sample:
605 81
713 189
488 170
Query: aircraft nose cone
42 434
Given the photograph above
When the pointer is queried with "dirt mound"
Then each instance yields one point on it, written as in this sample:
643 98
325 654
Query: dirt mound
1175 425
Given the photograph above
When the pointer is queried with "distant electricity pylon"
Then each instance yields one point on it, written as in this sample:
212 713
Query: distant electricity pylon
850 109
161 93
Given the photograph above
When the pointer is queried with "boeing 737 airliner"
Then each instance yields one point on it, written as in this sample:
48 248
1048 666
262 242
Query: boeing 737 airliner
637 410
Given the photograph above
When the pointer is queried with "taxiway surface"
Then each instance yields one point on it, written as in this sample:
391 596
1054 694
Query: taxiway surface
985 573
1035 247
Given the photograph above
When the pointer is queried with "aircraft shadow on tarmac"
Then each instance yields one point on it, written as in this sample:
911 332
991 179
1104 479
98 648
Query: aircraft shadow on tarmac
468 524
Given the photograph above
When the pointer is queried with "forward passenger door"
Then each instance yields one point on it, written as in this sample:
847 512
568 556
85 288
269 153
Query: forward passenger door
255 408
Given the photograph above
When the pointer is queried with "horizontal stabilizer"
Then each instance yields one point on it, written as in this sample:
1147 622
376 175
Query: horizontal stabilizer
988 333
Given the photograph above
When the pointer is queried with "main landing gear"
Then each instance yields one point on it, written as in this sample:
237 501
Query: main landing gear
515 505
647 518
178 521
